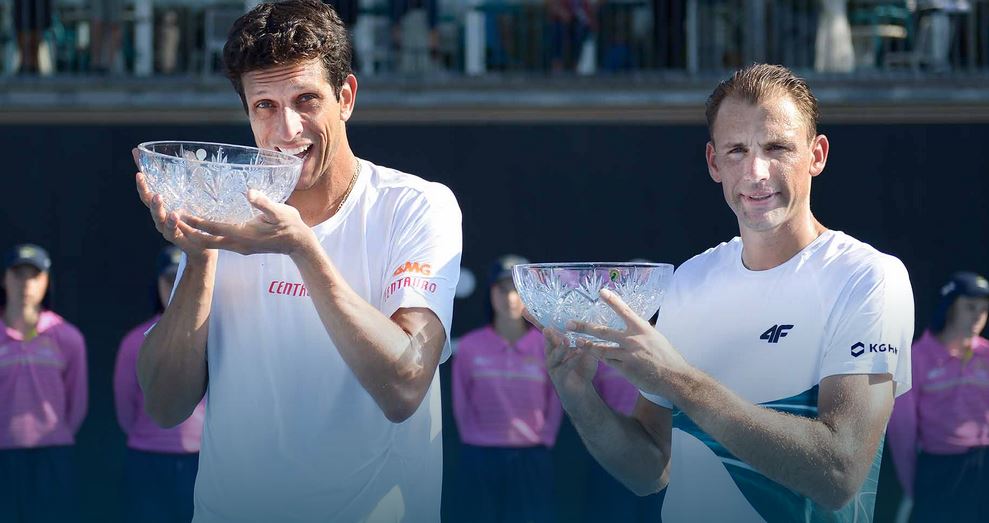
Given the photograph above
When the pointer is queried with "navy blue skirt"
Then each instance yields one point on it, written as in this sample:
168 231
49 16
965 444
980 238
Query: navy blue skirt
506 485
38 485
158 487
952 487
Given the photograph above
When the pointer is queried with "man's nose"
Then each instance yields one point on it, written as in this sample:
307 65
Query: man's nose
757 168
291 125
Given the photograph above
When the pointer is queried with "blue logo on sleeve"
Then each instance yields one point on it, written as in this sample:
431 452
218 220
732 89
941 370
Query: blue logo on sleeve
859 348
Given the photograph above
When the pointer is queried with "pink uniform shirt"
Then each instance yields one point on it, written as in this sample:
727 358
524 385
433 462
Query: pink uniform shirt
615 390
502 396
142 432
946 411
43 384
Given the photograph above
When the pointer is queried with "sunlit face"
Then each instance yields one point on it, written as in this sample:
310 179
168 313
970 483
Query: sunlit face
25 285
968 315
764 161
505 300
294 109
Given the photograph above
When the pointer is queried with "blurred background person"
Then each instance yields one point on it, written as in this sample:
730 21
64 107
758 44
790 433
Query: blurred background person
106 35
160 464
31 19
939 24
348 10
572 24
415 37
833 51
572 27
169 38
43 395
506 411
939 430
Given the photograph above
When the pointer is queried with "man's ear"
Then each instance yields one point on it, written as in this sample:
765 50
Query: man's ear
348 97
712 165
819 148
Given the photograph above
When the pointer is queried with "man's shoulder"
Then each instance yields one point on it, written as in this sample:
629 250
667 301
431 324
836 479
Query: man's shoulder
849 258
404 187
711 259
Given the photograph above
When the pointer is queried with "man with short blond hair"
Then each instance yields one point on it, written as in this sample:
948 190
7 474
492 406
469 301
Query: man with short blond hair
769 378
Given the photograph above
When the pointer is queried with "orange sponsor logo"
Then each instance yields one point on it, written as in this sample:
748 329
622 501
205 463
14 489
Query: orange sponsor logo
413 268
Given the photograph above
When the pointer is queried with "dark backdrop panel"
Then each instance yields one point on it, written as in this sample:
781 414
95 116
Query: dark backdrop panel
549 192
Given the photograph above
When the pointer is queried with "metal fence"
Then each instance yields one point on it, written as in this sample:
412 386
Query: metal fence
485 37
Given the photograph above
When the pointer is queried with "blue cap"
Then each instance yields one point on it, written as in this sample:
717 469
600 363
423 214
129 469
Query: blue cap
968 284
28 254
168 259
502 267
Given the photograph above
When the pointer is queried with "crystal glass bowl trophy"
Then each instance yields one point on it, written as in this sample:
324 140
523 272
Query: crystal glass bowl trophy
555 293
210 180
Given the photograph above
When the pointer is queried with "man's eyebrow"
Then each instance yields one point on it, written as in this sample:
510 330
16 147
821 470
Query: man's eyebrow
789 142
264 89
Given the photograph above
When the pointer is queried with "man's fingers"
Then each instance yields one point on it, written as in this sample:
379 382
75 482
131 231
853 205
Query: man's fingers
602 350
531 319
262 203
556 347
211 227
137 157
620 307
158 213
195 236
143 191
598 331
552 335
571 353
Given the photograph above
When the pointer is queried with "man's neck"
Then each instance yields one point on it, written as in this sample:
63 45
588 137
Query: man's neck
510 329
321 201
21 318
763 250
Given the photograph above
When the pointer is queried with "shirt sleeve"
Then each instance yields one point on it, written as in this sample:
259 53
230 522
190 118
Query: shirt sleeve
125 386
902 437
75 378
871 327
425 255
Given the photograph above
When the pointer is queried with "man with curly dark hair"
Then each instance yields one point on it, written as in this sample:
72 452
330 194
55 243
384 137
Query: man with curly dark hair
319 349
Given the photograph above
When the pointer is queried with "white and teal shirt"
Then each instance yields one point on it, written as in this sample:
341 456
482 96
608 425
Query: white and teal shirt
837 307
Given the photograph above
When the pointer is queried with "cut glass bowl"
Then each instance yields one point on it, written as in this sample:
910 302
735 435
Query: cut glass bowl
555 293
210 180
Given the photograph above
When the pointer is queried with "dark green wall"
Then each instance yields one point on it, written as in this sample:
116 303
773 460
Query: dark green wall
549 192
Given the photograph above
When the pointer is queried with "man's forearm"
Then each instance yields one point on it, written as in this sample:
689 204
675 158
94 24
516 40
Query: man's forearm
390 363
804 454
621 444
171 365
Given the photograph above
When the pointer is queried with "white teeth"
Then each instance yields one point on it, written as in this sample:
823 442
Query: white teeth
297 150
